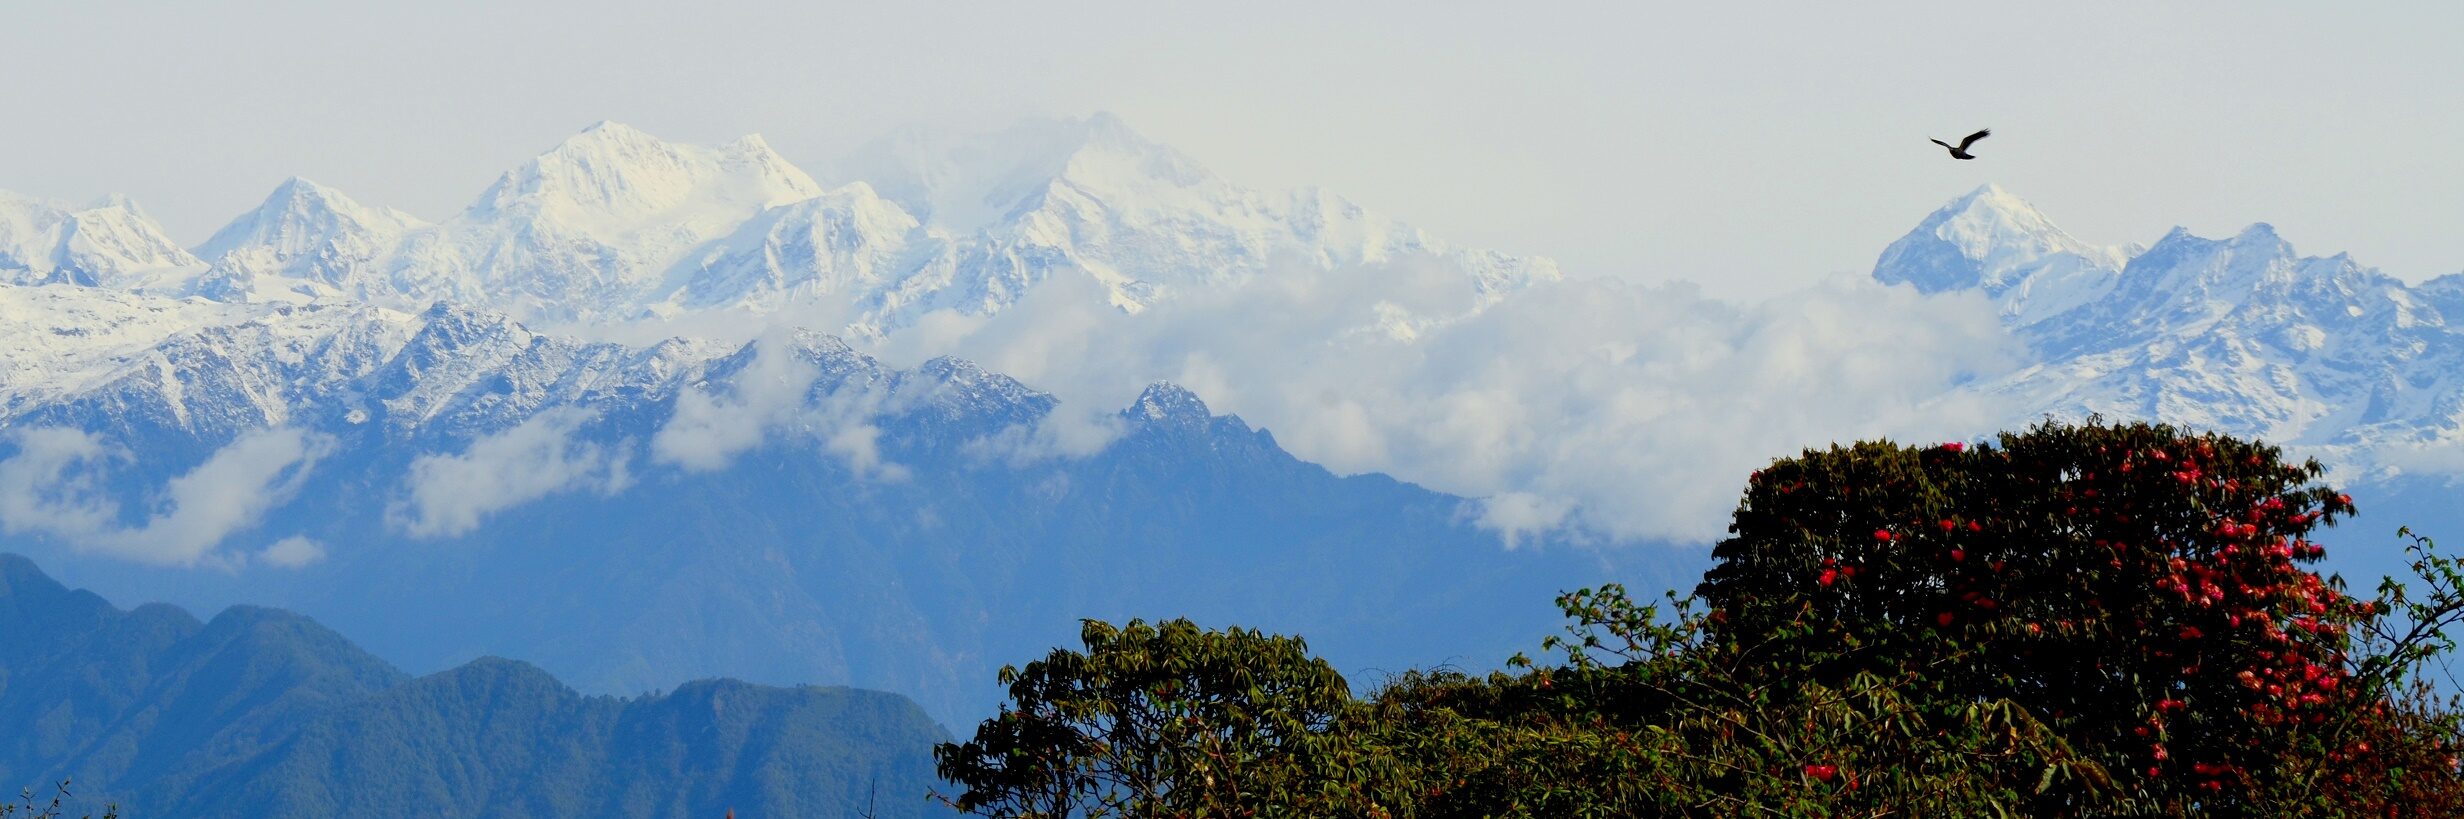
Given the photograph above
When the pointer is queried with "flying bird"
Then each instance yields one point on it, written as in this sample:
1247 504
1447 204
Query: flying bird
1960 151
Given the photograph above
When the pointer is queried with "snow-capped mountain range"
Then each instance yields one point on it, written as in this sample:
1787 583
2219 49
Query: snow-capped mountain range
614 224
2241 334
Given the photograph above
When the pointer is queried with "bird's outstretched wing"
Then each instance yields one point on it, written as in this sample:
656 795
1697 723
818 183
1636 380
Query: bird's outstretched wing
1939 142
1972 138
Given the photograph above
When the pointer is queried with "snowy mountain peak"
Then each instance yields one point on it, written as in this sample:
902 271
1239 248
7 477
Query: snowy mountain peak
1103 136
1990 237
612 175
119 202
752 145
1993 241
305 241
301 188
300 216
111 242
966 182
591 228
1992 196
1164 401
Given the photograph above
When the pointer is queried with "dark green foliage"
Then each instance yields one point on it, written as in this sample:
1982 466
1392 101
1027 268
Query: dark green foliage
1161 720
2079 621
261 713
1648 716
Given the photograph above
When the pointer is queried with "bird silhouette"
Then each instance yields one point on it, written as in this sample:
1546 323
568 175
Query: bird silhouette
1960 151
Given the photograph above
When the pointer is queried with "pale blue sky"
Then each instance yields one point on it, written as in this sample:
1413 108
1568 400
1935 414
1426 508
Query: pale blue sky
1750 147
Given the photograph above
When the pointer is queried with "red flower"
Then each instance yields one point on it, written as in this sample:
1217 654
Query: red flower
1828 575
1822 772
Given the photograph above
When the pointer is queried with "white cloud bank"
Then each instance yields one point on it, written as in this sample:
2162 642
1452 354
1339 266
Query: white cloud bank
1616 409
775 394
451 494
54 485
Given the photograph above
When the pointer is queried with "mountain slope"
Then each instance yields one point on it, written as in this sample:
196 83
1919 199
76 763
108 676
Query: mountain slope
263 713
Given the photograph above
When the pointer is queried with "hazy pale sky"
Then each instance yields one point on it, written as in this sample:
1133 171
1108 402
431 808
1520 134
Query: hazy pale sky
1746 146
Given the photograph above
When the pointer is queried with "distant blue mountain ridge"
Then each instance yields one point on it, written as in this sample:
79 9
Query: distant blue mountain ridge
265 714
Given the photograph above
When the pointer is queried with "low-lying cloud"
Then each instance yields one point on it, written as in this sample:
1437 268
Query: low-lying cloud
450 494
55 485
775 394
1602 406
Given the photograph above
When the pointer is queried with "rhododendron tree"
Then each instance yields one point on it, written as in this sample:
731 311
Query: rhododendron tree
2141 589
